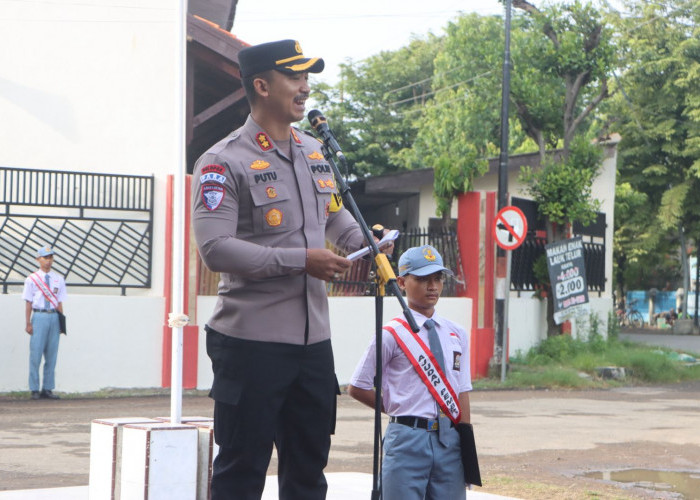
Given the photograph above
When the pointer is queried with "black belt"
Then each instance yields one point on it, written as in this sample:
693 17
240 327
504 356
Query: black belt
421 423
44 310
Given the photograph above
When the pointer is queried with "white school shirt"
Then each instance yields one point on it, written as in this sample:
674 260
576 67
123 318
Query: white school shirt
403 392
33 293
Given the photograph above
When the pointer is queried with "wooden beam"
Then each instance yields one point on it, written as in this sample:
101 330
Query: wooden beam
214 38
215 109
205 56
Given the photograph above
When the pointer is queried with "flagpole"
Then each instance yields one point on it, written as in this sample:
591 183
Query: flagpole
178 207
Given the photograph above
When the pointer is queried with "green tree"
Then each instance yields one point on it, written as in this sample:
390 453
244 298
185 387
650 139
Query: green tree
460 127
658 115
375 109
562 57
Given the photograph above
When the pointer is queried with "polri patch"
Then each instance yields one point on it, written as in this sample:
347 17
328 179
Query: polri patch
263 141
259 165
271 192
273 217
212 196
315 156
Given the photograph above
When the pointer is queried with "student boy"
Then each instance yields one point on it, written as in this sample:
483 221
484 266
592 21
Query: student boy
425 384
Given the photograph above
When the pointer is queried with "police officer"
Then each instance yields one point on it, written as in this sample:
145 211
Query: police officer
264 204
44 293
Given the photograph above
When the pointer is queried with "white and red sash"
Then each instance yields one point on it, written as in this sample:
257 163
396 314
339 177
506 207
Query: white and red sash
426 366
44 289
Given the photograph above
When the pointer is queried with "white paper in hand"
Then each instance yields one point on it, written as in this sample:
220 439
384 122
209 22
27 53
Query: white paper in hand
384 242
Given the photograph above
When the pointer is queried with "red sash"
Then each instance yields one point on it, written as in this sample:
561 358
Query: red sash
426 366
45 290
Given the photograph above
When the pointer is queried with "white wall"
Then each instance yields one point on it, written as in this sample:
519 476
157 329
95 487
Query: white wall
116 342
527 320
90 86
112 341
428 206
352 328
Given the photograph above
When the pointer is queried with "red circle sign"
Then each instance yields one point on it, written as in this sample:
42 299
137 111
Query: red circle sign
509 228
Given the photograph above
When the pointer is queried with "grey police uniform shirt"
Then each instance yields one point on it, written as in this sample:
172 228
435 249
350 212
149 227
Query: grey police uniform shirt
254 215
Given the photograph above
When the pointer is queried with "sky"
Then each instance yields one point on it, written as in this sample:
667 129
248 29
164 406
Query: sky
338 31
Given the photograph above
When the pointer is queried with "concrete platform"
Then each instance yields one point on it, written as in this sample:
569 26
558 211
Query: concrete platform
341 486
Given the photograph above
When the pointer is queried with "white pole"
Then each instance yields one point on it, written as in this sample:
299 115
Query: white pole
504 353
178 215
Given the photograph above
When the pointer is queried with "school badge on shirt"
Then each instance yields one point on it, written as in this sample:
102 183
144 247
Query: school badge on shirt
212 196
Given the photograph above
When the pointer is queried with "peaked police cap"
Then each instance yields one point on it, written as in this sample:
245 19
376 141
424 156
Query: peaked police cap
284 55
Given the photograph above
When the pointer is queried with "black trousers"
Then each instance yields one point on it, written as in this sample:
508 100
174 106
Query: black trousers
270 393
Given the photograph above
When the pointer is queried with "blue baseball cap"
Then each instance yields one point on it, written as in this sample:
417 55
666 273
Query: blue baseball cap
421 261
44 251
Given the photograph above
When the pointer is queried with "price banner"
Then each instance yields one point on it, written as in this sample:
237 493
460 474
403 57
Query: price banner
567 275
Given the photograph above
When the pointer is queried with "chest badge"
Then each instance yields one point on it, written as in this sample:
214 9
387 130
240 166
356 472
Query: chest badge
259 165
315 156
263 141
457 356
273 217
271 192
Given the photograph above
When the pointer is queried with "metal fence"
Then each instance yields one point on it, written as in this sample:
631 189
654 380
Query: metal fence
522 276
100 226
357 280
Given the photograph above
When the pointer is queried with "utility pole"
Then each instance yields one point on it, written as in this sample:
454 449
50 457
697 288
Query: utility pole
502 288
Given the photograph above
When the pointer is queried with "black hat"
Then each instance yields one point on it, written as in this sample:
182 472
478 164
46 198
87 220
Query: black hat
285 56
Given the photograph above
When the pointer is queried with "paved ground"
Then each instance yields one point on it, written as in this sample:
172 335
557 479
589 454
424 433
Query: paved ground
532 444
688 343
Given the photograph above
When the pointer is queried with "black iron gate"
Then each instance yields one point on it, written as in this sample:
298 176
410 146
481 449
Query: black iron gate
100 225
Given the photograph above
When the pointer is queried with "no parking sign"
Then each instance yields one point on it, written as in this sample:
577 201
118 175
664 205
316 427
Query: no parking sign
509 228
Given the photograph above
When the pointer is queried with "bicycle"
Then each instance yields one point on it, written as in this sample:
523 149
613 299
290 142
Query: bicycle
631 316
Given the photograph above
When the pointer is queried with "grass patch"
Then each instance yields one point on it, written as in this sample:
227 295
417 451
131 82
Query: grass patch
563 362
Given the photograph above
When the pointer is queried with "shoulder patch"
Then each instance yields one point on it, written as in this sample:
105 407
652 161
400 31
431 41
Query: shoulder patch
212 196
336 203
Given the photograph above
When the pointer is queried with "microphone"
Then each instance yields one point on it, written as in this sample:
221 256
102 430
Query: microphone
320 125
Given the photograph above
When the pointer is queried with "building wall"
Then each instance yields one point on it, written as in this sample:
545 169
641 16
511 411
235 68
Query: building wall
527 321
91 87
603 190
350 338
428 206
111 342
116 342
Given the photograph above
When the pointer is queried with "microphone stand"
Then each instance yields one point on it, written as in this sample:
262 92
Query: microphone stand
384 279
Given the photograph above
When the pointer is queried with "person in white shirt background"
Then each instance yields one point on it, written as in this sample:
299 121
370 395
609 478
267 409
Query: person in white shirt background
44 293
